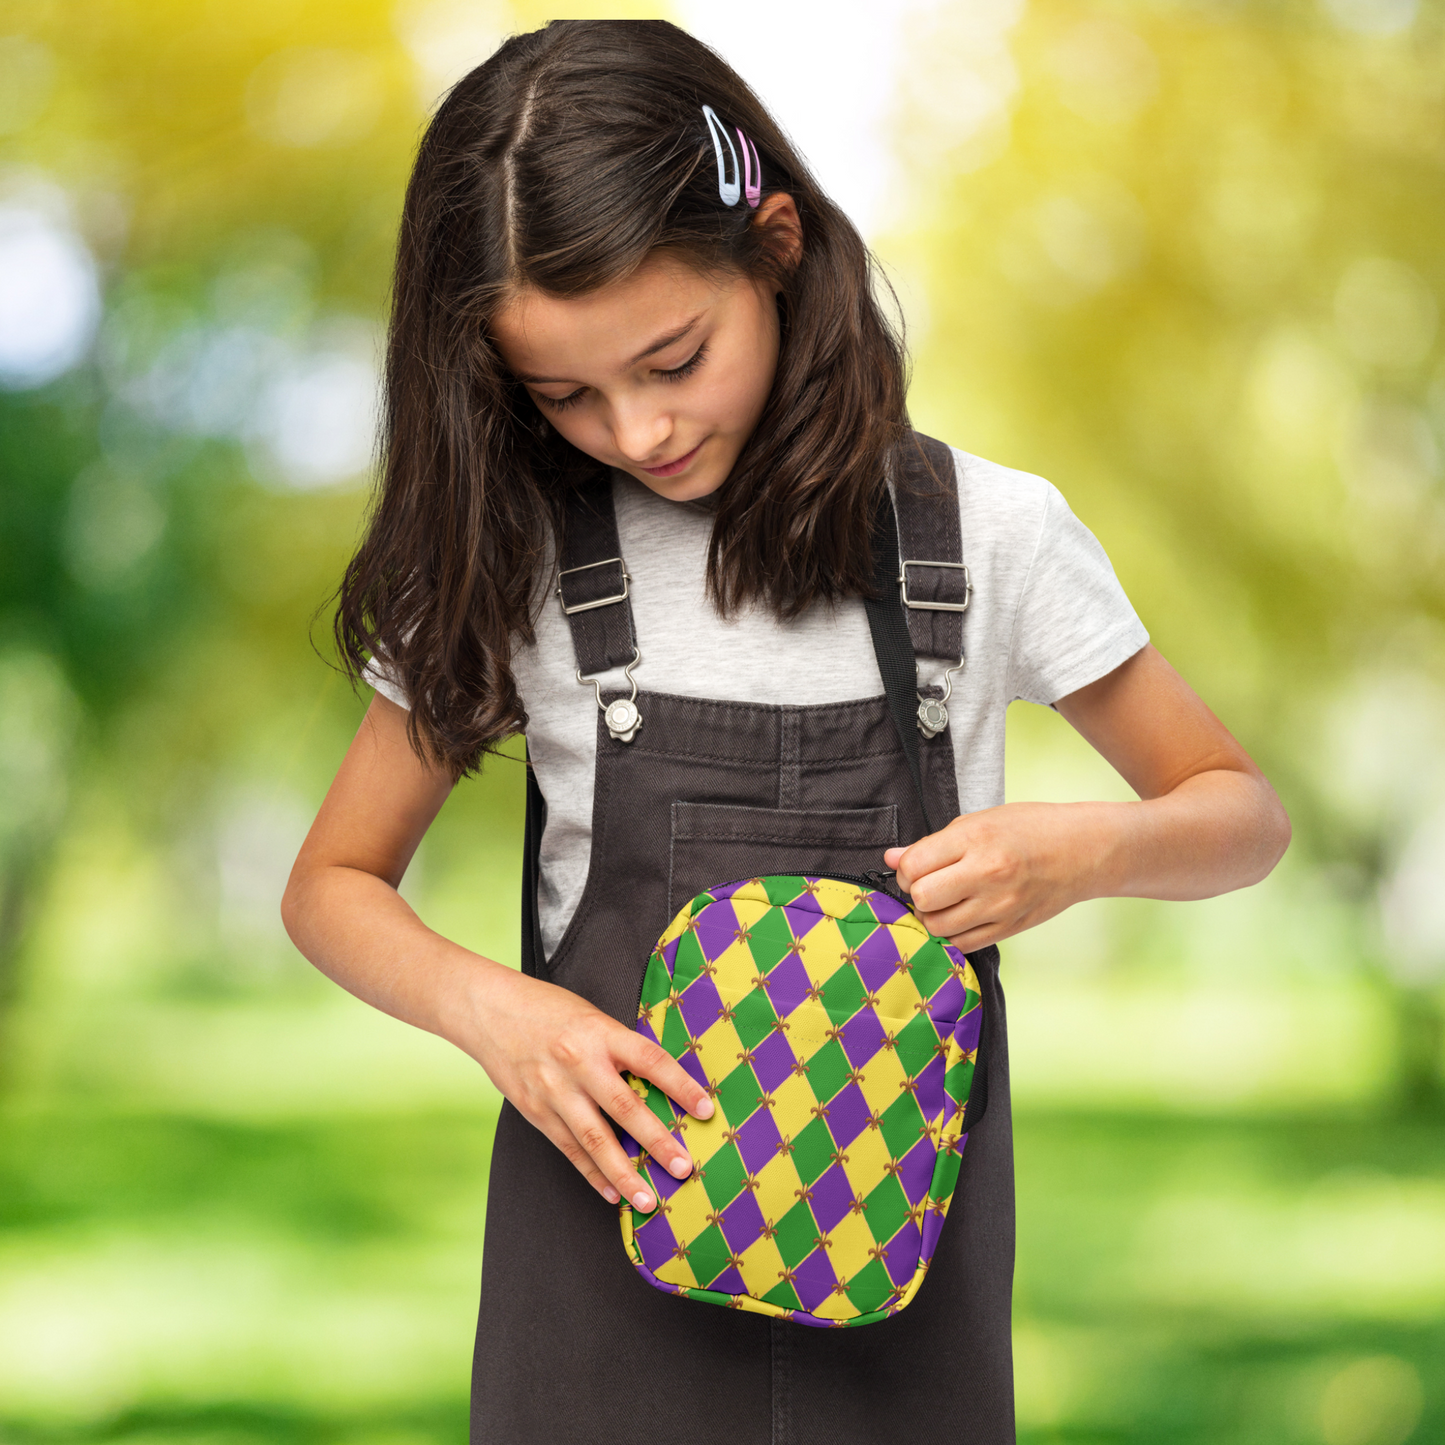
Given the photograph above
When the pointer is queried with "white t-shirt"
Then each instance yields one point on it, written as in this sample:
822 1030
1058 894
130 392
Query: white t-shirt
1046 617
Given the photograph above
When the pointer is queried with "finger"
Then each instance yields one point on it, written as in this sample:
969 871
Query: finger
962 917
929 854
651 1061
552 1126
596 1137
620 1101
947 886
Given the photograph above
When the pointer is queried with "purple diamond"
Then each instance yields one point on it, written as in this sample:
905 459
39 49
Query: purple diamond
630 1146
660 1179
701 1005
947 1000
717 929
929 1093
669 955
813 1280
902 1260
932 1224
729 1282
741 1222
917 1172
832 1194
726 890
803 914
692 1067
877 955
788 984
886 908
656 1241
758 1140
847 1115
645 1029
773 1061
969 1028
862 1037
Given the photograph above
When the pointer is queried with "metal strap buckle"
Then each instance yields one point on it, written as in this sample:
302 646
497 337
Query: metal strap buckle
935 606
601 601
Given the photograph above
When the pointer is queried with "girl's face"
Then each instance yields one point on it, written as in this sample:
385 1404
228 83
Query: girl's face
663 375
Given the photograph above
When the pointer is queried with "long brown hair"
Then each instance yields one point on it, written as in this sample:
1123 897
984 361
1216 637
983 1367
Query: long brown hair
562 163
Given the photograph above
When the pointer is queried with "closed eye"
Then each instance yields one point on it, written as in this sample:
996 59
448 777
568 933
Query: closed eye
688 367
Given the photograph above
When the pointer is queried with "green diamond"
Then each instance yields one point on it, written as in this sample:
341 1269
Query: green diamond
828 1071
915 1044
843 994
660 1105
754 1018
945 1176
902 1125
656 984
738 1094
887 1209
812 1151
708 1255
931 965
784 887
689 963
797 1231
723 1175
869 1289
770 938
958 1081
784 1296
674 1033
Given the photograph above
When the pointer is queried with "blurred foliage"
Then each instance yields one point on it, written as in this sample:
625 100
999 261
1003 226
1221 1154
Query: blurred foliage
1182 258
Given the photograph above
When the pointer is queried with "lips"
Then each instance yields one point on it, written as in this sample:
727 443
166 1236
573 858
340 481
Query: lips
671 469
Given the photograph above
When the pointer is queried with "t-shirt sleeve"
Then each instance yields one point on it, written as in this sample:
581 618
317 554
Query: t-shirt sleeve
376 675
1073 624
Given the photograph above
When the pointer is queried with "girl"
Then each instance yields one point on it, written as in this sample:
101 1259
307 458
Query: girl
646 440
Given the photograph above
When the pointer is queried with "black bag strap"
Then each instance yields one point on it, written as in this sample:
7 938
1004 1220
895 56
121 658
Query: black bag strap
534 961
891 643
932 580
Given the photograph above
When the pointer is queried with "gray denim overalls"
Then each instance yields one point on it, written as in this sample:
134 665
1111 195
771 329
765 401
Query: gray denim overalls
573 1346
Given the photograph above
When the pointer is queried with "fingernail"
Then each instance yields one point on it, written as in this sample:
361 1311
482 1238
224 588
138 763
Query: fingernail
643 1200
703 1109
611 1195
681 1166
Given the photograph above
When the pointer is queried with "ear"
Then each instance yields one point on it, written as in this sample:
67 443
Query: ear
783 228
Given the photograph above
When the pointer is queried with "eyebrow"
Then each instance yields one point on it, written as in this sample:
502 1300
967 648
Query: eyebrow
661 344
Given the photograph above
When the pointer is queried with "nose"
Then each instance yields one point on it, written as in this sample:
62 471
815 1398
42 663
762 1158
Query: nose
639 430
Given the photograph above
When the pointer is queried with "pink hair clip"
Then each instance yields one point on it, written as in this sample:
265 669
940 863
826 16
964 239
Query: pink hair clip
747 178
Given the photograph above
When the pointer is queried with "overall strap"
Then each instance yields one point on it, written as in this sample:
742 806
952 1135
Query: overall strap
593 582
932 580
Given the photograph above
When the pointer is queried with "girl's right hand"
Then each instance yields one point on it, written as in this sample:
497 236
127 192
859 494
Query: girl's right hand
559 1060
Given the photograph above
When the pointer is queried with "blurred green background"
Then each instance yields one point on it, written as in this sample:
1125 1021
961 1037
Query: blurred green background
1185 259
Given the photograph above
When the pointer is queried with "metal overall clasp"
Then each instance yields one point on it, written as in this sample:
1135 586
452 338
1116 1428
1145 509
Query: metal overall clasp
621 714
933 711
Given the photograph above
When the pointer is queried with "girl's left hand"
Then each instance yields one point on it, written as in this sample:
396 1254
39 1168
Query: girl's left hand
989 875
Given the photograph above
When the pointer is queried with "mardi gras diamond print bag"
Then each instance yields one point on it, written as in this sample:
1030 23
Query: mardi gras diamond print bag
839 1040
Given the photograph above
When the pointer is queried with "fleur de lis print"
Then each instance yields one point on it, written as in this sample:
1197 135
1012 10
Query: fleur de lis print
746 1056
878 1252
814 993
735 1261
779 1026
787 1275
908 1083
751 1183
742 935
681 1251
798 1069
889 1041
904 965
834 1033
805 1193
767 1230
850 955
795 948
823 1241
855 1076
873 1121
870 1000
709 968
838 1157
765 1101
819 1111
858 1205
727 1013
784 1145
812 888
841 1287
729 1136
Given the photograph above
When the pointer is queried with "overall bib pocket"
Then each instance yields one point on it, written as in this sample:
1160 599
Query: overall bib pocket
712 841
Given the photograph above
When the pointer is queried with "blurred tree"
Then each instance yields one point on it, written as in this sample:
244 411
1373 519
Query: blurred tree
1186 259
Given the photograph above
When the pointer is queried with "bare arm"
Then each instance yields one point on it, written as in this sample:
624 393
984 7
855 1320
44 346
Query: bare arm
1206 822
554 1055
